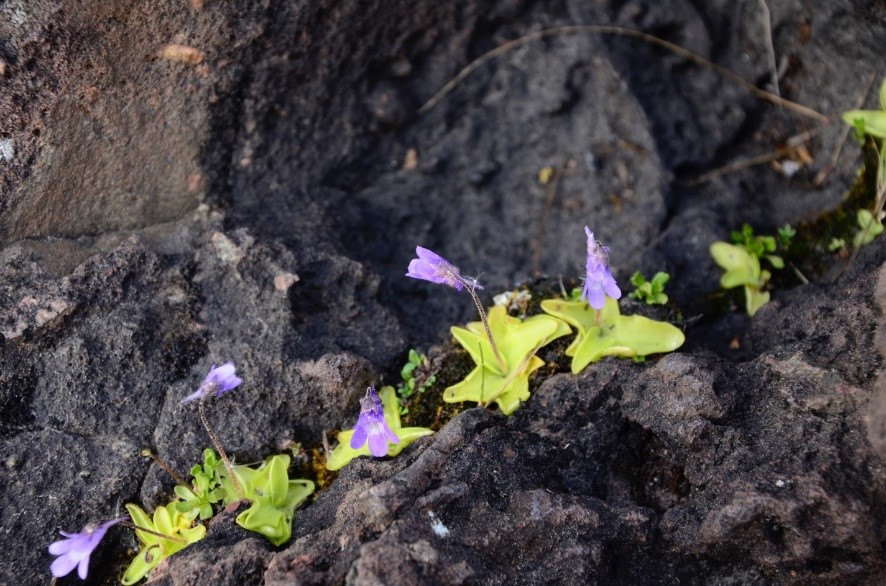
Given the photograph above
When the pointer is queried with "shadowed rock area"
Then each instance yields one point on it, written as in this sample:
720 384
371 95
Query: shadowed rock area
201 182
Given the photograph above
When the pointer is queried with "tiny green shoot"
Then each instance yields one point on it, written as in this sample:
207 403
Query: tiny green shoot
836 244
650 292
205 492
869 228
417 378
785 236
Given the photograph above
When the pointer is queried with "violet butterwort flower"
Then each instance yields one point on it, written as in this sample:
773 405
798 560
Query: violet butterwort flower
219 381
74 551
598 279
372 426
432 267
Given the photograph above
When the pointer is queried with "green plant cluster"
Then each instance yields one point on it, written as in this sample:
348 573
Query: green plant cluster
273 498
154 549
272 494
650 292
600 334
741 262
871 124
417 378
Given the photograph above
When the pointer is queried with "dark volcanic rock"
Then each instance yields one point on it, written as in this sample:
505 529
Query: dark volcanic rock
259 201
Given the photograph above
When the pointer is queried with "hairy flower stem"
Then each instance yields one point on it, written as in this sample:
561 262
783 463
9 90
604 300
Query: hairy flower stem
157 533
514 374
469 285
166 467
221 451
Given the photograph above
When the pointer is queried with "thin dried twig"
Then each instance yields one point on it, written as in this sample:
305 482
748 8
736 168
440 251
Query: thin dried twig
166 467
326 449
624 32
791 145
550 194
800 275
770 47
743 164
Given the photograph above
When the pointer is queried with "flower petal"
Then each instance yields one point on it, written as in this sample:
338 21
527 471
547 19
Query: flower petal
223 372
429 266
224 378
391 436
61 547
611 287
360 434
419 269
63 565
378 443
429 256
193 396
83 567
594 295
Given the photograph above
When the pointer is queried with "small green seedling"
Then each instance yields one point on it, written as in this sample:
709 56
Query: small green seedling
869 228
872 123
741 261
273 495
205 491
742 270
836 244
574 295
154 549
610 333
759 246
416 378
518 341
650 292
344 453
786 236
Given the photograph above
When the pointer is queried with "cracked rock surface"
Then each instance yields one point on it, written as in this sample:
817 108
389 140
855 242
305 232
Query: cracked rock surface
255 193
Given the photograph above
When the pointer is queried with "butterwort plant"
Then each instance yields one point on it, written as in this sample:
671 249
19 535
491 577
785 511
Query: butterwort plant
601 329
379 430
219 381
429 266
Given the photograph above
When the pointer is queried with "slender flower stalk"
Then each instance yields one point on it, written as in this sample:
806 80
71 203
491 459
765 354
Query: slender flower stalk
229 466
220 380
156 533
498 357
521 368
432 267
372 427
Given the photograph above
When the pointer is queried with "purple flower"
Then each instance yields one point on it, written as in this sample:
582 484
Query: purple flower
220 380
598 279
76 549
432 267
372 426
